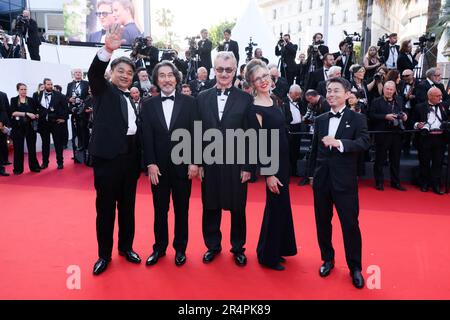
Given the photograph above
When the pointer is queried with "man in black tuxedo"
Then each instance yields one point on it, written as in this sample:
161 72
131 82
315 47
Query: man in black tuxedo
407 90
161 116
224 186
204 51
388 114
321 74
105 16
4 109
76 93
339 137
428 117
280 87
316 53
201 83
333 72
229 45
288 52
147 58
434 77
53 114
344 58
389 52
30 32
114 148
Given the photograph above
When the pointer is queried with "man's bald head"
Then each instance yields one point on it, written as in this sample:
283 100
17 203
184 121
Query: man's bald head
434 95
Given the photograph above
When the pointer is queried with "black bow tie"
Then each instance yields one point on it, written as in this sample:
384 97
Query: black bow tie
170 98
48 94
225 92
126 94
332 115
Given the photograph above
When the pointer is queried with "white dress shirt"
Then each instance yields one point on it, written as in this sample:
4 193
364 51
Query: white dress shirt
296 115
334 125
221 102
391 63
168 108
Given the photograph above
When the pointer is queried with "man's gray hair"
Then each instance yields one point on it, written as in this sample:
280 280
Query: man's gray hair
334 70
295 87
225 55
431 72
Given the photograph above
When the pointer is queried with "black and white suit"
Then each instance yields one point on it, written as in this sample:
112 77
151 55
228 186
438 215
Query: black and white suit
32 39
335 183
114 148
406 61
389 51
204 52
232 46
288 67
422 91
79 89
156 134
222 188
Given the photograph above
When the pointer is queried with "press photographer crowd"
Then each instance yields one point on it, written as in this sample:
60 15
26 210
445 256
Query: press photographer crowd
406 111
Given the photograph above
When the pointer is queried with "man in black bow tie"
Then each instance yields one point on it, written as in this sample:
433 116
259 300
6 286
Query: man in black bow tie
389 52
339 136
114 148
229 45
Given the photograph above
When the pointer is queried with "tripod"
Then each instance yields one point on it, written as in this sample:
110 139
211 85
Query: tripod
311 63
192 70
419 69
22 51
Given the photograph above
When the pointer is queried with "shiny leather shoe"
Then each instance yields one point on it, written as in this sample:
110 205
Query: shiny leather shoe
131 256
277 267
209 256
437 190
424 188
398 186
44 166
180 258
35 170
240 259
100 266
357 279
326 268
4 174
154 257
379 186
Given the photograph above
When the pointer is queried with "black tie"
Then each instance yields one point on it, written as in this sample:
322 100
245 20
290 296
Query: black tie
126 94
170 98
225 92
48 94
332 115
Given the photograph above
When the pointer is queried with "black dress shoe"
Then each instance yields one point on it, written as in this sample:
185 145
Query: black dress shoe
379 186
4 174
7 163
180 258
398 186
44 166
437 190
17 172
209 256
325 269
282 260
240 259
424 188
60 166
154 257
277 267
100 266
131 256
35 170
357 279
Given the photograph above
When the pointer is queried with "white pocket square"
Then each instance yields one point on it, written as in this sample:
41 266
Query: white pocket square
347 126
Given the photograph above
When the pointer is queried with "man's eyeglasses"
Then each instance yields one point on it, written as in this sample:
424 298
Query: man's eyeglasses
259 80
227 70
103 14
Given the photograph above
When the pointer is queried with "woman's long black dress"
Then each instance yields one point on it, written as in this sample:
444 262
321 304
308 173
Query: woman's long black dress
277 237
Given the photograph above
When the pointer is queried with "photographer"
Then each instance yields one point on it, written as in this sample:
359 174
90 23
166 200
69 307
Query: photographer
29 29
434 77
302 70
288 52
76 94
201 83
432 119
143 83
229 45
344 58
259 55
144 54
204 51
316 53
389 51
387 114
407 60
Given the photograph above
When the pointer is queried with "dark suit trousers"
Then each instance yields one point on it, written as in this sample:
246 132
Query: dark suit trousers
57 132
3 148
115 181
384 143
347 207
211 230
295 141
19 135
431 149
34 53
170 182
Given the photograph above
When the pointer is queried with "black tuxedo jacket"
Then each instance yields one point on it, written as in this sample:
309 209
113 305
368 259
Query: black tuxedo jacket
109 132
345 66
281 88
288 54
33 39
420 113
204 52
331 167
156 136
404 63
84 89
315 78
401 90
378 111
319 62
222 187
385 51
234 47
58 103
5 112
287 110
422 92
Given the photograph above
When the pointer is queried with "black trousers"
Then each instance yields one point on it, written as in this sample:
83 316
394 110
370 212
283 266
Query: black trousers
295 141
3 148
211 230
431 150
56 131
384 143
347 207
115 182
19 135
180 188
34 53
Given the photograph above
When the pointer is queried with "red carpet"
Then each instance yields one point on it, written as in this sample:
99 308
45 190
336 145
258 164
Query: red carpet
48 224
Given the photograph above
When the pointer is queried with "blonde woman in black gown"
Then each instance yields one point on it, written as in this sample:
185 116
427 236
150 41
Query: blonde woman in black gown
277 237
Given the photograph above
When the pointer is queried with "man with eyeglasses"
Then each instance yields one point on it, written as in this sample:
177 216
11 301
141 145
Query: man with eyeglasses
105 17
434 77
224 186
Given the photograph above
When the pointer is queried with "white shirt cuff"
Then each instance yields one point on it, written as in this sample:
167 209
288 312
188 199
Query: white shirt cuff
341 147
104 55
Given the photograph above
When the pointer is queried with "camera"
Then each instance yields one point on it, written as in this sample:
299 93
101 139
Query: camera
193 47
382 40
398 122
352 37
445 126
249 49
281 42
21 23
140 46
377 77
424 39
